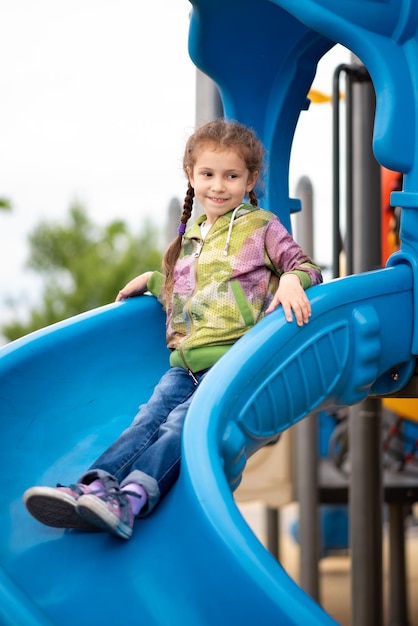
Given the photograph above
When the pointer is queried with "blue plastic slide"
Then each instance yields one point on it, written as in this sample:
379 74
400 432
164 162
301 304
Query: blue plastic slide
67 391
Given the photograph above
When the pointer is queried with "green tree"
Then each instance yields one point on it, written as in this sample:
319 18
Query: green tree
83 266
5 204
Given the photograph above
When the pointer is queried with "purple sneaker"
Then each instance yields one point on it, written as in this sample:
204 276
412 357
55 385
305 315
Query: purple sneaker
57 506
110 511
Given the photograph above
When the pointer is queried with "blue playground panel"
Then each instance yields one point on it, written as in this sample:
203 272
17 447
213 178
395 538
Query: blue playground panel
68 390
334 528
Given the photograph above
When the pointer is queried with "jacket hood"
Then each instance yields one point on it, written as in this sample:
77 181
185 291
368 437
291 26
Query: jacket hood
194 231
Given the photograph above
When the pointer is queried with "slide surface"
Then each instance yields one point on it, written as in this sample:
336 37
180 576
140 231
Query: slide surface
67 391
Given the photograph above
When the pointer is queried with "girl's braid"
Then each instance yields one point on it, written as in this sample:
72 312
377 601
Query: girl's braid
253 198
173 251
187 208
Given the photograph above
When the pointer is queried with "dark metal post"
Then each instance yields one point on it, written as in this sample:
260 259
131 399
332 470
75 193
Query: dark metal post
398 606
366 483
366 502
273 531
366 179
307 436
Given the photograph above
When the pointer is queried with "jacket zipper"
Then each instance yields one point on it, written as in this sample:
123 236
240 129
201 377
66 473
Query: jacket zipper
199 249
189 371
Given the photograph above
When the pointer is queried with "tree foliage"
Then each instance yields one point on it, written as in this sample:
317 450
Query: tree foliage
83 266
5 204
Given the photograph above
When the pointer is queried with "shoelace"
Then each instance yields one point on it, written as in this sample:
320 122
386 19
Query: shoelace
78 491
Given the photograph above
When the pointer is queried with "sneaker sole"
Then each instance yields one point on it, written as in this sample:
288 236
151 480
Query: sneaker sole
56 509
96 512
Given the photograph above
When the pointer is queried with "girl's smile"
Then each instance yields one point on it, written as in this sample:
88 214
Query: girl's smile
220 179
218 200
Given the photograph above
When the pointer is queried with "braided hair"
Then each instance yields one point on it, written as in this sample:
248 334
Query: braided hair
221 134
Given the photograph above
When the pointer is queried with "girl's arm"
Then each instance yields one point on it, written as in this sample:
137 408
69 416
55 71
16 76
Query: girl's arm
291 295
136 287
299 273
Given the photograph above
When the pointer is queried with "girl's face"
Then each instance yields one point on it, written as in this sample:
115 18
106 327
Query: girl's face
220 179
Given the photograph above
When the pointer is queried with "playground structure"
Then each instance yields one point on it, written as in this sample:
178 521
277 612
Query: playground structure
67 390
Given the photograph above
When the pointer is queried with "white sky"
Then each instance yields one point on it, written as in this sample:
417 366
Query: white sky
97 100
98 97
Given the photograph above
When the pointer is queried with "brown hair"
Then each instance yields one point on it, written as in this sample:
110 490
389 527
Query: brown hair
222 134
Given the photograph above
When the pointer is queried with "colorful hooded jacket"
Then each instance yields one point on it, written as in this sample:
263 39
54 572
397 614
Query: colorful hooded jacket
224 283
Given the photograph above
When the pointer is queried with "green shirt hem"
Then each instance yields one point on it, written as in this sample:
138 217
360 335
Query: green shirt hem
197 359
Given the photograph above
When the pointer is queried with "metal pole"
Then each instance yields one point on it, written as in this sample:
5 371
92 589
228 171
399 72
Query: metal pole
307 493
337 244
336 234
349 228
366 501
398 606
307 435
304 222
366 173
174 213
273 531
208 101
366 481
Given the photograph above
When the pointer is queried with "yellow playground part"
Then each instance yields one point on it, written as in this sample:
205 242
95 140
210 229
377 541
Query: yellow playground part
405 407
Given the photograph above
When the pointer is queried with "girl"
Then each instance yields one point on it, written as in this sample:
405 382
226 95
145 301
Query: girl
235 264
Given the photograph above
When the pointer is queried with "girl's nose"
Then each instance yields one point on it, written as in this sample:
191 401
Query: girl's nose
217 183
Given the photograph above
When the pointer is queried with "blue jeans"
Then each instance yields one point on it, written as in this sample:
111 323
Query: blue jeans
148 451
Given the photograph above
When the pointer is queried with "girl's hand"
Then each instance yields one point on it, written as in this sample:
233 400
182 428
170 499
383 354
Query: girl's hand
291 295
136 287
